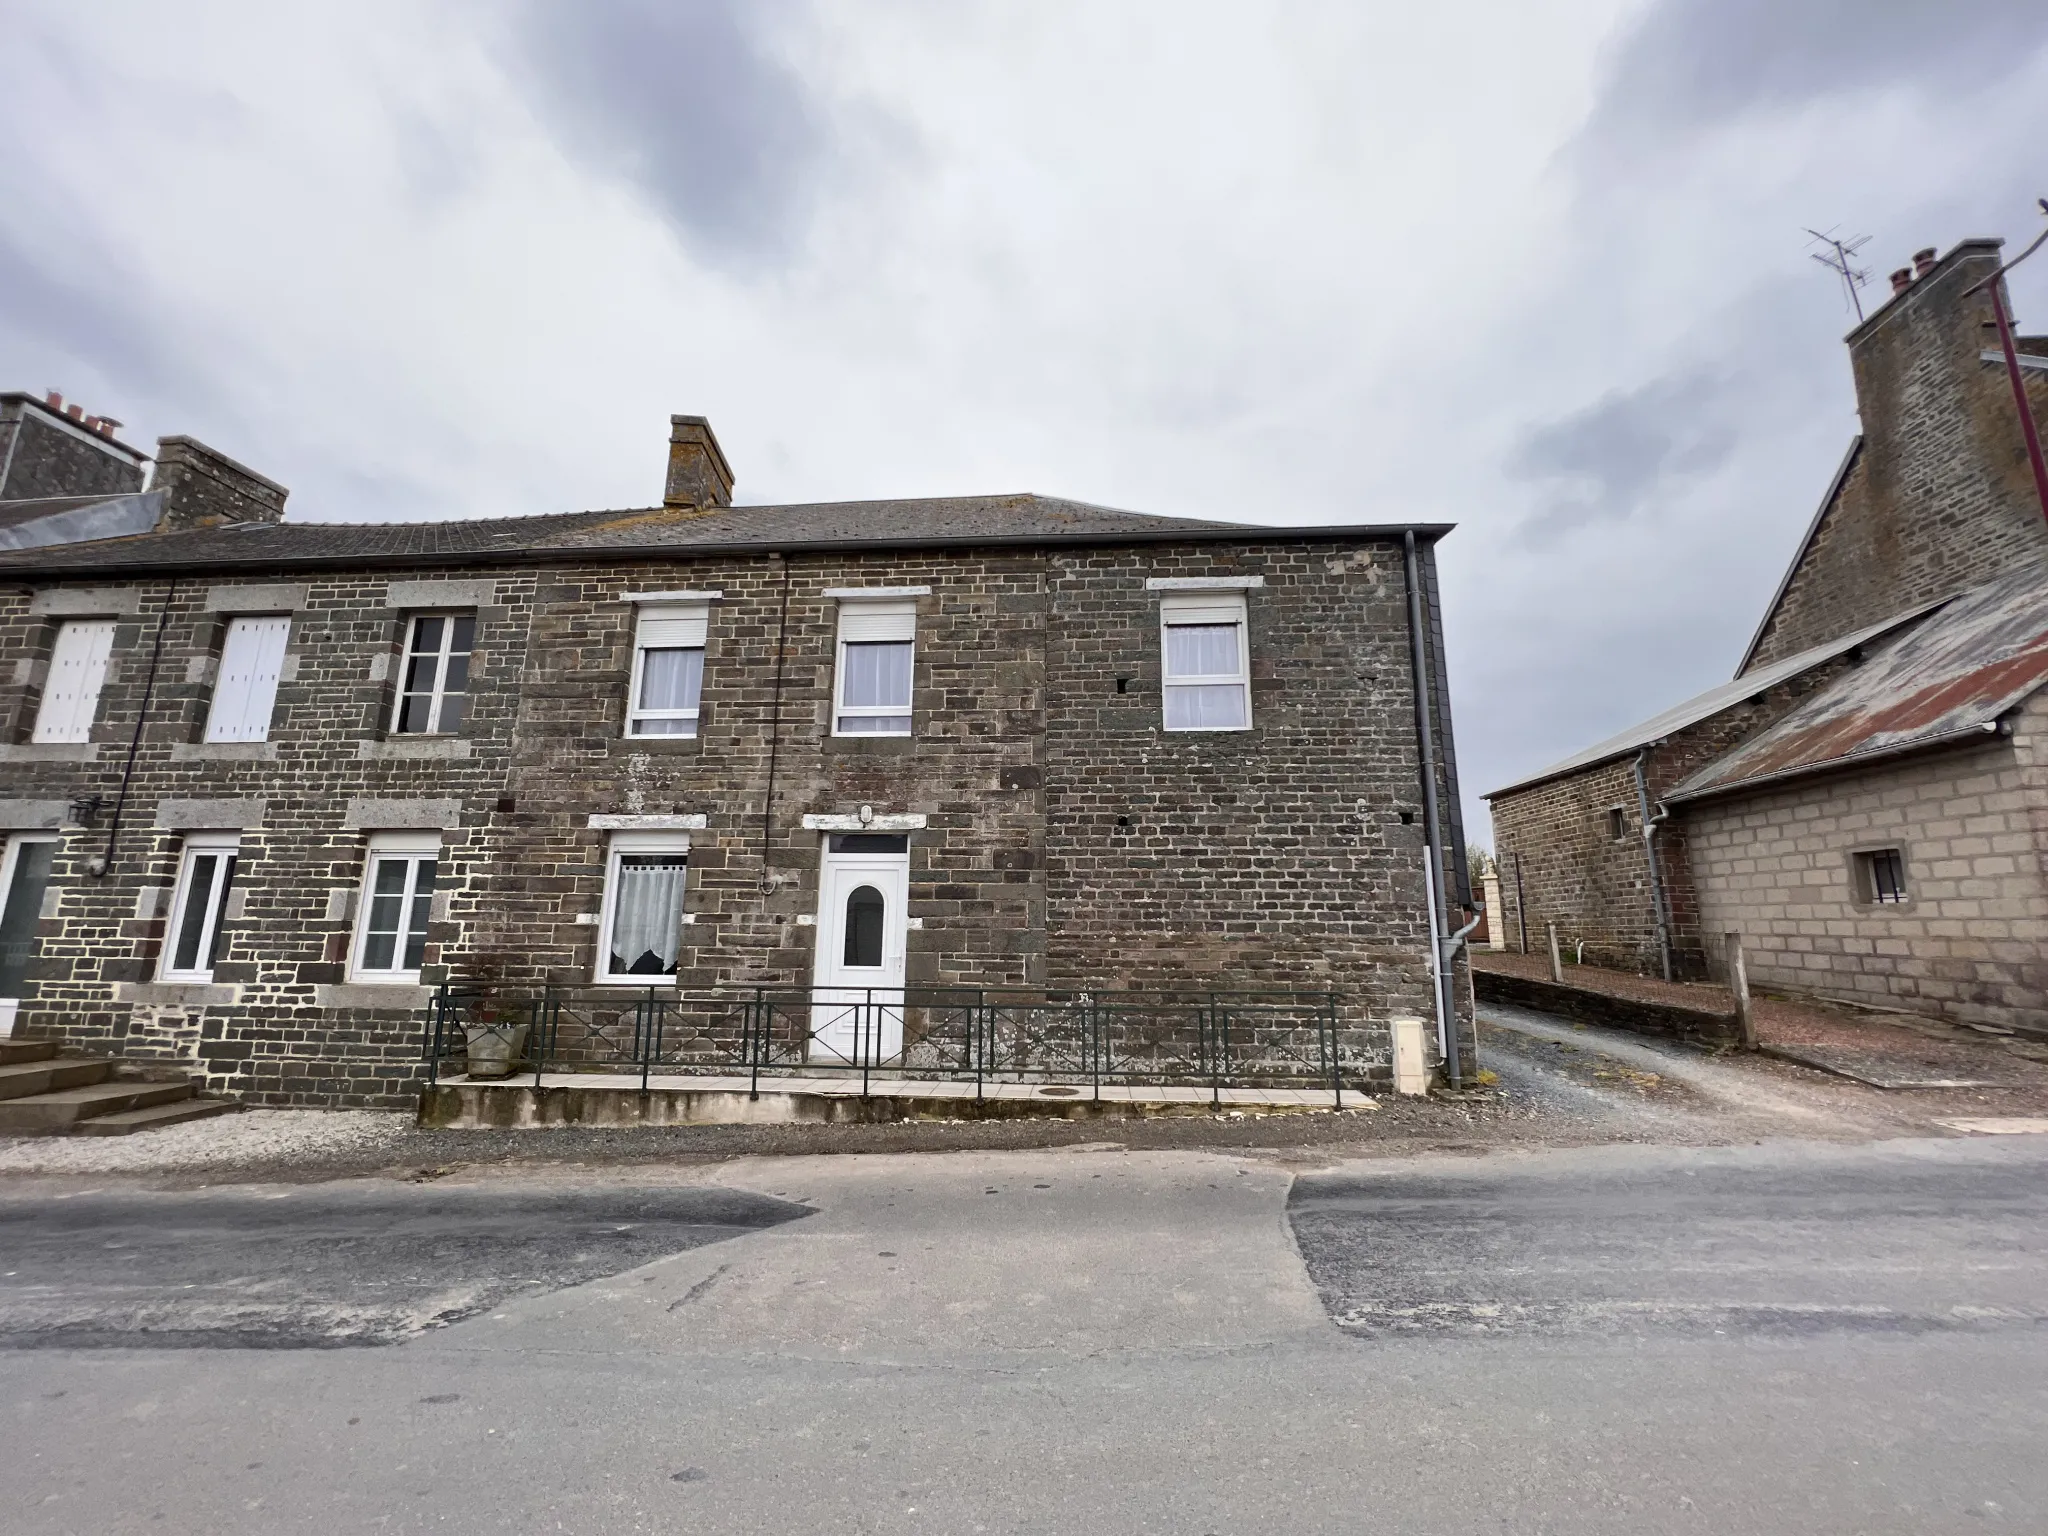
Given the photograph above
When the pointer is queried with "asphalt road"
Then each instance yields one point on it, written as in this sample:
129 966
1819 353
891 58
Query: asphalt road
1759 1339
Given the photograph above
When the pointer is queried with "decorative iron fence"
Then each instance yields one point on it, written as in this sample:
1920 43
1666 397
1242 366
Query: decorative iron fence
1215 1039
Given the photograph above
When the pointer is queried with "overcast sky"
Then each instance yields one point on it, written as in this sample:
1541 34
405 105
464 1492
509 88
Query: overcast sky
1536 269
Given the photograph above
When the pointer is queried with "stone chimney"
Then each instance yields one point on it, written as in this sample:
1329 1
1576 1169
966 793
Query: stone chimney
204 488
698 475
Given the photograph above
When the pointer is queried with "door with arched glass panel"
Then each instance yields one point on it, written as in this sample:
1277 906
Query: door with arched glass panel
857 1007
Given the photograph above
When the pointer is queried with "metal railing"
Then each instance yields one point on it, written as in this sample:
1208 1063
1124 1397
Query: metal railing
1086 1040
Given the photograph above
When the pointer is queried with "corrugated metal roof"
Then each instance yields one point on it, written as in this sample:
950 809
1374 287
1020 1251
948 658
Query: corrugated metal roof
1713 701
1947 679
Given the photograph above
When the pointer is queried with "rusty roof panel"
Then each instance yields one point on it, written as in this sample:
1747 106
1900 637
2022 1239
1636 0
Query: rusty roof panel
1950 676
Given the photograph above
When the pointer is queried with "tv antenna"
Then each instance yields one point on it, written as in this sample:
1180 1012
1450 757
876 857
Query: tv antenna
1840 259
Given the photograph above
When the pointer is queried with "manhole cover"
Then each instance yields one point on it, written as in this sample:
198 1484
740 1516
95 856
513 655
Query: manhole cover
1059 1093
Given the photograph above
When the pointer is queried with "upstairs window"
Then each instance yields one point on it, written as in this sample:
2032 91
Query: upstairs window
78 670
205 874
1205 679
250 660
668 671
877 646
397 904
433 693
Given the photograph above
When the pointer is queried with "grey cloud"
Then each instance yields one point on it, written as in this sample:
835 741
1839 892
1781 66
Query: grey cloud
1609 459
1689 62
96 324
683 98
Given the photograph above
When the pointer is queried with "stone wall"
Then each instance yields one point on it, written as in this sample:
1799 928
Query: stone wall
1972 942
38 457
1940 497
1274 858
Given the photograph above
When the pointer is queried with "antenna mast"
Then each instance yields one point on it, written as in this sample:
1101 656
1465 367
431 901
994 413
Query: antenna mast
1841 260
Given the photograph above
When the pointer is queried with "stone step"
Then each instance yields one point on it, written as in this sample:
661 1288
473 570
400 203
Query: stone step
54 1114
26 1050
125 1122
19 1079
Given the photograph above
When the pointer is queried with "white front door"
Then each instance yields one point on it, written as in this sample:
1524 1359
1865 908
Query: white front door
24 877
863 893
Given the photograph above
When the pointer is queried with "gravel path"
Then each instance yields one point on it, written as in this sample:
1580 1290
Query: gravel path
254 1137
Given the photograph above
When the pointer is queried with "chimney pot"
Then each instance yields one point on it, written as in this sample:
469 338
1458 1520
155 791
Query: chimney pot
1923 262
53 400
75 412
1902 280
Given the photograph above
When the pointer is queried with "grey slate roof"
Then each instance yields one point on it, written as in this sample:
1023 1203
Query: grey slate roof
1704 705
934 522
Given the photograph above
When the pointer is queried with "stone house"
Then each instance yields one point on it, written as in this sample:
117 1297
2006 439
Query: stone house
1860 801
267 783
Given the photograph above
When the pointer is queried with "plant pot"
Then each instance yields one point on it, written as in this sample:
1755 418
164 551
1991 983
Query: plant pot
494 1049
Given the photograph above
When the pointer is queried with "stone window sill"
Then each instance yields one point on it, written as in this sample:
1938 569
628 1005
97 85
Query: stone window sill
49 752
398 748
390 996
224 752
176 994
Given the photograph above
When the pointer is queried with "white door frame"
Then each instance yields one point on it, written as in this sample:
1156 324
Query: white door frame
10 855
857 1010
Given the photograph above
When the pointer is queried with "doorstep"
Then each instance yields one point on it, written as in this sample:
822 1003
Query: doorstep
618 1099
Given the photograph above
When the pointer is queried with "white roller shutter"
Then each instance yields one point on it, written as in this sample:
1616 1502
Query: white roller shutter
893 620
672 628
78 668
247 691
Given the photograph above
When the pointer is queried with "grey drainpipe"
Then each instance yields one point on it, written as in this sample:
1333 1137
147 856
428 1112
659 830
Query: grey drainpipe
1650 825
1425 739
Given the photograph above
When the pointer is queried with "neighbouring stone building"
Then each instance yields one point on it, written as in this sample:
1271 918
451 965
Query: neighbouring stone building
267 783
1863 801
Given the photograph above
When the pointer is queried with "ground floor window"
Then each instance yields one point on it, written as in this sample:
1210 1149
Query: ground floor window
206 869
640 937
397 903
24 877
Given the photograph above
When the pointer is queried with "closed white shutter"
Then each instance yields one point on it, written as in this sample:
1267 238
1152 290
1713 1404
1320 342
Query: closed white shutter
249 665
78 668
895 620
672 628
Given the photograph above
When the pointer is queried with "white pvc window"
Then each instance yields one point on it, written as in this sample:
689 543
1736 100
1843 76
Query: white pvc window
78 670
433 690
668 671
397 904
877 648
1205 679
640 932
24 880
206 872
250 660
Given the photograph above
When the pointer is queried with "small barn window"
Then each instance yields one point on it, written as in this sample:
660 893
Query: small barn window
1881 877
1617 823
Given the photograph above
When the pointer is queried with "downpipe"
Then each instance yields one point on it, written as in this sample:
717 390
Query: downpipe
1432 831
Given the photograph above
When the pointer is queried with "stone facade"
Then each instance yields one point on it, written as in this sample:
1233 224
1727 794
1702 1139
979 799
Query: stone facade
1971 940
1066 839
1938 496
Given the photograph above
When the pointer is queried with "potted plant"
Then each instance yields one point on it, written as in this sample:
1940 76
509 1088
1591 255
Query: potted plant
493 1028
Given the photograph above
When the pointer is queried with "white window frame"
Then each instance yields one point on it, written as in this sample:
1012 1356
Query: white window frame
77 675
10 858
682 627
245 688
384 845
439 695
199 845
889 620
622 844
1219 607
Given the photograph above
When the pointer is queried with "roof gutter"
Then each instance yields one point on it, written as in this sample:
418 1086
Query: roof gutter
1960 737
606 554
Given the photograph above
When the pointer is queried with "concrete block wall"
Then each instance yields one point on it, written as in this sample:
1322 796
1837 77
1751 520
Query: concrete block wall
1971 944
